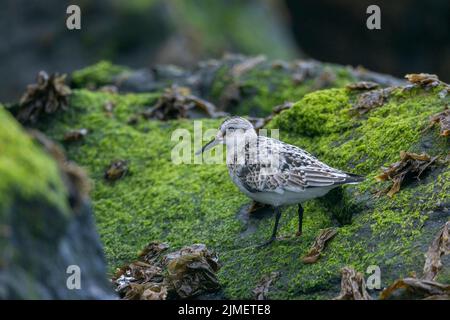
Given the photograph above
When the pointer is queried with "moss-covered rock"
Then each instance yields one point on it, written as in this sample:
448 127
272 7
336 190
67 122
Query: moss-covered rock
188 203
41 235
236 83
24 170
99 74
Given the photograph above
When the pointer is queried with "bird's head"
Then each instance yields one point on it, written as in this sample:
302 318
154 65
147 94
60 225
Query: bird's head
233 130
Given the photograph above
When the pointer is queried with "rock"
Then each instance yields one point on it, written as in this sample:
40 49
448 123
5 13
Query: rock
42 233
186 203
238 84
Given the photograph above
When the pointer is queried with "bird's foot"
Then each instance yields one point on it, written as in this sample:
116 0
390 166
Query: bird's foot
265 244
298 233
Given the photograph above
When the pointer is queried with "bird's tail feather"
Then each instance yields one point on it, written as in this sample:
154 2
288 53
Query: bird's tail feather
354 178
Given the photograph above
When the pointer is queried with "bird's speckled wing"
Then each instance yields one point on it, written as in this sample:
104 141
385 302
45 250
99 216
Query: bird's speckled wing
293 169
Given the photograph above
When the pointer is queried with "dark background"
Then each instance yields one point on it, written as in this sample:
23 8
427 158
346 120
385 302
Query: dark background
415 34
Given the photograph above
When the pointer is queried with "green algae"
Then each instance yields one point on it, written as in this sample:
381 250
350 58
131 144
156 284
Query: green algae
321 123
31 192
260 88
99 74
265 86
188 203
25 170
152 201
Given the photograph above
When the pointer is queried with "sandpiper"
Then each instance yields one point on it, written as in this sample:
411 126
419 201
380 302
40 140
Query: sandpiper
272 172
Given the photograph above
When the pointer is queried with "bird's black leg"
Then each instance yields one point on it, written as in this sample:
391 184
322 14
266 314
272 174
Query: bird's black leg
300 220
275 227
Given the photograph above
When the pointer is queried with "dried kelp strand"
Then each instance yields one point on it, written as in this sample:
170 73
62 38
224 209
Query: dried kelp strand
353 286
264 285
439 247
319 245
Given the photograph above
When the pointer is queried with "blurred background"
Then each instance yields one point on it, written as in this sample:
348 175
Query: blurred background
415 34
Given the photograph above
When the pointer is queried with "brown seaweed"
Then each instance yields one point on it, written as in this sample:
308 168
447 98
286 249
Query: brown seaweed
439 247
264 285
425 80
319 245
74 177
153 251
192 270
146 291
75 135
426 287
48 95
116 170
413 288
142 279
443 119
178 102
410 164
370 100
363 85
353 286
158 275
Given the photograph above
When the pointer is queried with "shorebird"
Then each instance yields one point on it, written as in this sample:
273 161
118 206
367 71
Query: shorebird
272 172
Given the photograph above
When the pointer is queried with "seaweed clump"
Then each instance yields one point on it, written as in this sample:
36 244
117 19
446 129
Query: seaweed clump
362 85
353 286
371 100
47 95
410 163
74 177
413 287
75 135
439 247
319 245
158 275
424 80
156 203
262 289
428 82
178 102
425 287
443 119
116 170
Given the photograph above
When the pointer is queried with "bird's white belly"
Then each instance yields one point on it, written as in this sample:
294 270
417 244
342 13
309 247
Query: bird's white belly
282 197
286 197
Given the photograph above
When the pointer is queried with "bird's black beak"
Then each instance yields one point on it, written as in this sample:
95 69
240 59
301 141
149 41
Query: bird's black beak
214 142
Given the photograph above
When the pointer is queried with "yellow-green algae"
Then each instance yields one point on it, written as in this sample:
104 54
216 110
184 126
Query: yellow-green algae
261 88
31 190
184 204
26 172
101 73
265 86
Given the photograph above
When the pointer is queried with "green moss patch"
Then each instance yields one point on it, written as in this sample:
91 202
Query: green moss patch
255 91
99 74
189 203
25 170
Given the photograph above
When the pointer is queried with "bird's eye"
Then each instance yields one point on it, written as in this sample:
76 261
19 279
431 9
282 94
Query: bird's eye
231 128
